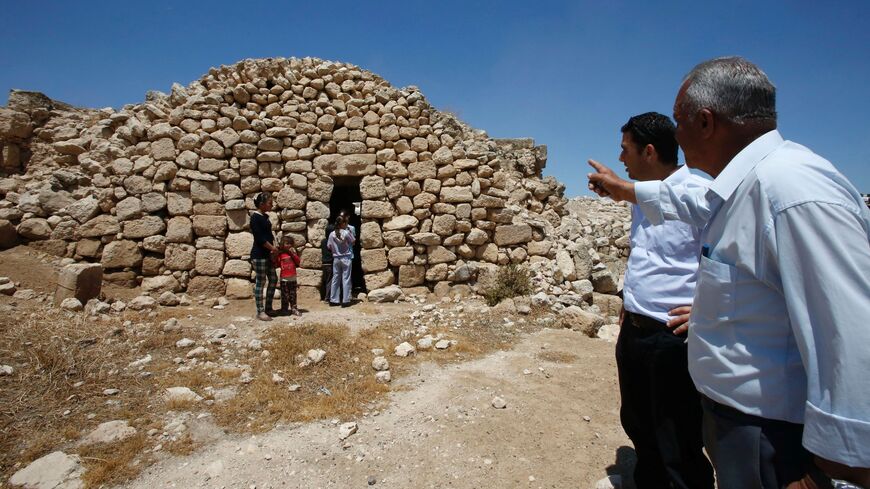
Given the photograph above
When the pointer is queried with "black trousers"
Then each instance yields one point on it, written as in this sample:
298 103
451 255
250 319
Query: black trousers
326 268
661 410
750 452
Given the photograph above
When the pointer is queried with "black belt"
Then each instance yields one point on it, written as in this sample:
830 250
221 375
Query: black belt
645 322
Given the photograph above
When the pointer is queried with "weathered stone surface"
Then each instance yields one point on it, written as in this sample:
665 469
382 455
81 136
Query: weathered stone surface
121 254
374 260
345 165
455 195
82 281
209 262
84 209
401 223
102 225
206 286
238 288
109 432
237 268
55 470
370 235
179 257
513 234
372 209
202 191
160 284
210 225
579 320
35 228
411 275
239 244
144 227
402 255
385 294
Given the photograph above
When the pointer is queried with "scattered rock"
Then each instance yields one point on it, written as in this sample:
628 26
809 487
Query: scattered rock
55 470
182 394
380 364
608 332
71 304
404 349
142 303
184 342
109 432
6 370
499 403
383 377
443 344
346 429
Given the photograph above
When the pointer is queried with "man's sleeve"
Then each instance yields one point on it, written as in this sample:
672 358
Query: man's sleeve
823 258
660 201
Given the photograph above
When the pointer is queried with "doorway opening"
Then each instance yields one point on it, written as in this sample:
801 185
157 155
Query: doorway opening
346 196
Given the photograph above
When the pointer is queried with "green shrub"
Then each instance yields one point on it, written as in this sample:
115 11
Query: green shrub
511 281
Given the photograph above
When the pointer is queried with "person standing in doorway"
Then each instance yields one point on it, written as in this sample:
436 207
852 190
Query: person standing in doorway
340 244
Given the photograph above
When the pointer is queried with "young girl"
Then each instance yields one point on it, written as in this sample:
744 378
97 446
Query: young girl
340 243
287 260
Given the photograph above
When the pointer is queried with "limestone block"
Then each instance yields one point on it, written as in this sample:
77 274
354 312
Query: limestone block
179 230
316 210
206 286
237 268
372 187
121 254
291 198
456 194
238 288
437 272
202 191
428 239
513 234
411 275
159 284
394 238
35 229
8 234
311 258
84 209
401 223
421 170
309 277
179 204
374 260
540 248
210 225
370 235
80 280
372 209
402 255
209 262
488 253
346 165
440 254
444 224
179 257
379 280
144 227
320 189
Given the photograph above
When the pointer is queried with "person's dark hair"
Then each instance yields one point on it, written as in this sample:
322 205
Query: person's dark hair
262 198
338 231
656 129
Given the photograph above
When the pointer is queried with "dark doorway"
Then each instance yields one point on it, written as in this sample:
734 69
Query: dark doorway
346 196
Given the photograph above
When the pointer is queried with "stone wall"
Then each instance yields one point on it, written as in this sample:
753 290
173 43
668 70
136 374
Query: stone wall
160 192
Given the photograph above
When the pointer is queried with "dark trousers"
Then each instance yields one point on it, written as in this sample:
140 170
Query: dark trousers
661 410
750 452
288 295
326 268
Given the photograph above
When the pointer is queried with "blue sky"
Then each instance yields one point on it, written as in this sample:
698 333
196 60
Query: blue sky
568 74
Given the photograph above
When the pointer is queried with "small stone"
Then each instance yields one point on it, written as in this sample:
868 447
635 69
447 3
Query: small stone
404 349
499 403
294 387
6 370
371 480
111 392
587 419
197 352
71 304
346 429
185 343
383 377
277 379
380 364
315 356
442 344
109 432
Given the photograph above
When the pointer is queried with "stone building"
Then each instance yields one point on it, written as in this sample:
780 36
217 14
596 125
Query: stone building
160 192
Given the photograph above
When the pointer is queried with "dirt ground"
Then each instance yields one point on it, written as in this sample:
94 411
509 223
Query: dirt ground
437 427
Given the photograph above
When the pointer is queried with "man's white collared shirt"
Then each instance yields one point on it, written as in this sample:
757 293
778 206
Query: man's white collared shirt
661 270
780 325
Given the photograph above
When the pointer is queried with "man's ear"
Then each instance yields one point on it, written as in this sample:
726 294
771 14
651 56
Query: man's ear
650 153
706 123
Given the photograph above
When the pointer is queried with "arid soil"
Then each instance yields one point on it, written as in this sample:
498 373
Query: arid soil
436 427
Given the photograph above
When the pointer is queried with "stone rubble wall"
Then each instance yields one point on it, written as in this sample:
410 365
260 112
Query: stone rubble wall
160 193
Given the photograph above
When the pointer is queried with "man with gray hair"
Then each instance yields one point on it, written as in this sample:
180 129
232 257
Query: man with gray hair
779 327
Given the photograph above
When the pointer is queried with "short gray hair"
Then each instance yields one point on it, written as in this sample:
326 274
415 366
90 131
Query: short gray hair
733 88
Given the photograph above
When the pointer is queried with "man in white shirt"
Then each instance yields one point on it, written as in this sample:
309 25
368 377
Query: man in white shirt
779 335
661 410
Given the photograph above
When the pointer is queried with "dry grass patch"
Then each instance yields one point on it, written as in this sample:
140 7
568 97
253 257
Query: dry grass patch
557 357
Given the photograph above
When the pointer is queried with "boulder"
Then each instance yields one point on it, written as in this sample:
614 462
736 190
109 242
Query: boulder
82 281
55 470
121 254
385 294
